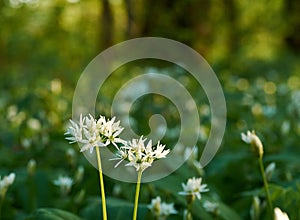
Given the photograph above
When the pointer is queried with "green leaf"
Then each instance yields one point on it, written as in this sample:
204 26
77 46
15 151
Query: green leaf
116 209
228 213
52 214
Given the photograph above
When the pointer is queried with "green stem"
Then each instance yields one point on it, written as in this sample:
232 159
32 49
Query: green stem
262 170
101 184
32 193
137 192
1 201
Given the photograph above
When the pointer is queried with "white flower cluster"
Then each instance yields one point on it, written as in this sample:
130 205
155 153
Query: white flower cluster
65 183
141 155
95 133
194 187
6 182
161 210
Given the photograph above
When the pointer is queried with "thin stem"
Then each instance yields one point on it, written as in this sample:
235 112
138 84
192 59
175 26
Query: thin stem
2 198
101 184
1 201
262 170
137 192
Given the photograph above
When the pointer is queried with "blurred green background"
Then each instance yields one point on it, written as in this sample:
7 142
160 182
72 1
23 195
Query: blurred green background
253 47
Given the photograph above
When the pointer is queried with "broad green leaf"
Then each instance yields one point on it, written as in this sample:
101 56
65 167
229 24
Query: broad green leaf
52 214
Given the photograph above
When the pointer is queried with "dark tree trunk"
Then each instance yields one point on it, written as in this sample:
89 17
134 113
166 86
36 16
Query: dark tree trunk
106 23
130 18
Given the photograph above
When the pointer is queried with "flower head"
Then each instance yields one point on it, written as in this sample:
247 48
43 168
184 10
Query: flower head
193 188
280 215
161 209
141 155
95 133
65 183
251 138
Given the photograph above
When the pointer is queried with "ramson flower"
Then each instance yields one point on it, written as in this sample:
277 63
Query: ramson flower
95 133
280 215
211 207
5 183
65 183
161 210
193 188
141 155
251 138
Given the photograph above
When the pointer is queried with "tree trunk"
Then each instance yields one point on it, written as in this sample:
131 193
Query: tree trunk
106 23
130 18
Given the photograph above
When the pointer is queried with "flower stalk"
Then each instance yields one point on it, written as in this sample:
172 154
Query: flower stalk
262 170
104 214
137 192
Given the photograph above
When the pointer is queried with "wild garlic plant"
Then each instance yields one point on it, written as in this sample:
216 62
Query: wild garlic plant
251 138
140 155
192 190
94 133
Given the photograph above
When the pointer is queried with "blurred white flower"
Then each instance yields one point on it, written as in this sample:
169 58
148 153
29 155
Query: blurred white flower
161 210
95 133
12 112
71 156
79 174
65 183
26 143
270 170
31 167
140 155
211 207
15 116
194 187
280 215
8 180
34 124
56 86
5 183
285 127
251 138
255 208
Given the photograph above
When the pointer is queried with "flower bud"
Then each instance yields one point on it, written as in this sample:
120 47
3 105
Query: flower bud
79 174
31 167
255 208
270 170
251 138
